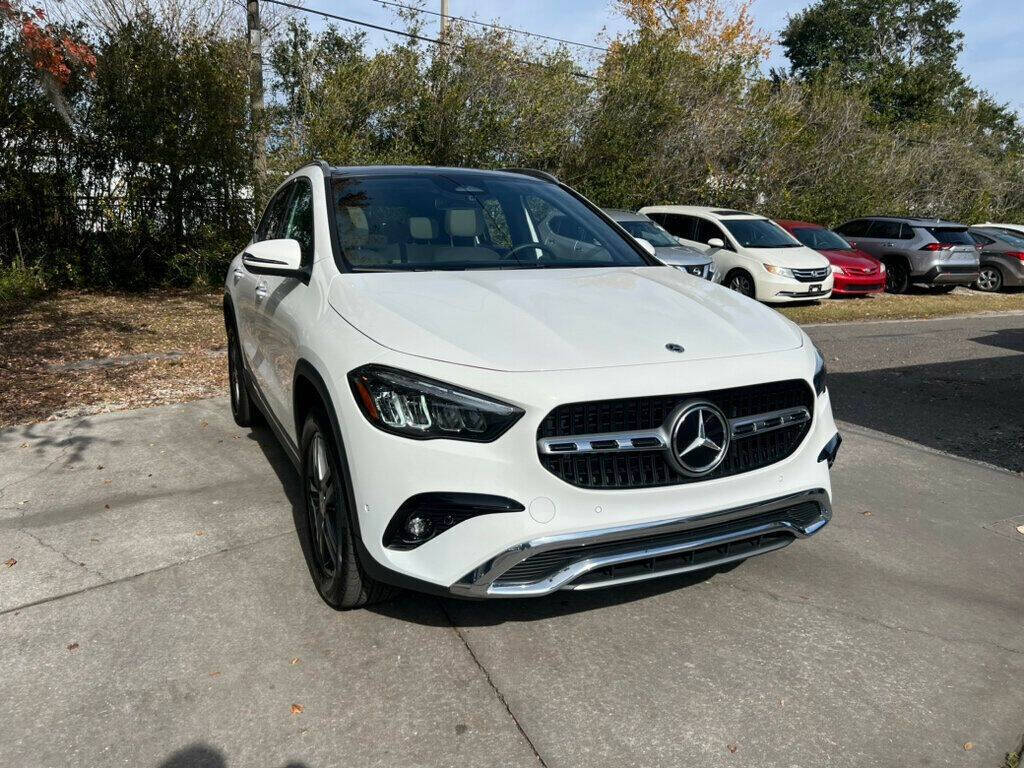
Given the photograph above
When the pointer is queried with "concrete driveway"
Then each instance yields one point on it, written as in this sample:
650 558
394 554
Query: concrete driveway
159 612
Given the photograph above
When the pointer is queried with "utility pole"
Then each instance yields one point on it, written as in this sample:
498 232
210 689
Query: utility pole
256 103
444 20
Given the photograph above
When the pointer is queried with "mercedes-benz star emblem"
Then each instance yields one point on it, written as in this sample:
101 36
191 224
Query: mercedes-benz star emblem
700 438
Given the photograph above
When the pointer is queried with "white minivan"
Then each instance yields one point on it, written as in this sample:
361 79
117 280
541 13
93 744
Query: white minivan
752 254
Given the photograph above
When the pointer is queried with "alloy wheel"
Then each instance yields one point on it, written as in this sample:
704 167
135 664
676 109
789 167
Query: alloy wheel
895 278
321 503
741 283
989 279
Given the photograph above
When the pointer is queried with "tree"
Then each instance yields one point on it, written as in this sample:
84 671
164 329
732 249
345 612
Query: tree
54 49
903 52
716 30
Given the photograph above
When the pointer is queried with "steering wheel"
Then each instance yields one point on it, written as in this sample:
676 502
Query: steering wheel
511 255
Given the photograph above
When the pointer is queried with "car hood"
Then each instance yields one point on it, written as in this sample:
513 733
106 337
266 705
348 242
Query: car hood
557 319
678 255
850 259
801 258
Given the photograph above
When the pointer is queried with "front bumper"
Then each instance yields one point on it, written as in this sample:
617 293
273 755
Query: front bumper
600 558
859 284
774 289
387 469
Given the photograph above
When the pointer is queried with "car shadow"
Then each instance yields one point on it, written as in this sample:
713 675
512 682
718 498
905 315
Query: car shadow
205 756
970 408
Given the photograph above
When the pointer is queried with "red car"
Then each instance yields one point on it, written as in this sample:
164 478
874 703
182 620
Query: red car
856 273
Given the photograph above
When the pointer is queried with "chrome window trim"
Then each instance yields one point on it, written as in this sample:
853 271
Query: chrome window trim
738 428
479 583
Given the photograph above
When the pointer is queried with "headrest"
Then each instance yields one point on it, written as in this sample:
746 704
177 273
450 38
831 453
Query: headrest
462 222
422 228
353 227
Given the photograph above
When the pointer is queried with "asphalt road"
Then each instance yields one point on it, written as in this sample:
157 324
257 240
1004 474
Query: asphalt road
160 614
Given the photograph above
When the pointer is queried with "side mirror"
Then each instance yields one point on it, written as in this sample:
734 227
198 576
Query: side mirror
274 257
646 245
716 242
681 240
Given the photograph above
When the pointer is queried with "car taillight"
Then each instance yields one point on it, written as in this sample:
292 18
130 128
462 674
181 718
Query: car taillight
938 247
1016 255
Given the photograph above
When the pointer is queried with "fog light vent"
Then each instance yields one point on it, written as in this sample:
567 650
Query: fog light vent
426 515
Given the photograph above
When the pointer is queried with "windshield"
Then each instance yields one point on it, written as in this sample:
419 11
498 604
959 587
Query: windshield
759 233
453 220
820 239
649 231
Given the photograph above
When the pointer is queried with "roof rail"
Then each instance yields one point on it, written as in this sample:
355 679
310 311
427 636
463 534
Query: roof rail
542 175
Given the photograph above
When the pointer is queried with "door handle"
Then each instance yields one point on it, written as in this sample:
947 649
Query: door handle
887 245
261 292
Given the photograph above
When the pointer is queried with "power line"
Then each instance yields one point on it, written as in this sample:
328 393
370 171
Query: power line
493 26
404 33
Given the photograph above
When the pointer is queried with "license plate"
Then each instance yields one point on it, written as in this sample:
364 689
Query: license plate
815 289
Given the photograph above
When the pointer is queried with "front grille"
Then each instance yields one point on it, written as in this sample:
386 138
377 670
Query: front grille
646 469
545 564
811 275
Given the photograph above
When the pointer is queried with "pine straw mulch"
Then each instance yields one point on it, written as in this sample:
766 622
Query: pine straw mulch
72 353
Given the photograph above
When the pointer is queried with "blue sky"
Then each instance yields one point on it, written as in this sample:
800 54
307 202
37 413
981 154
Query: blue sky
993 54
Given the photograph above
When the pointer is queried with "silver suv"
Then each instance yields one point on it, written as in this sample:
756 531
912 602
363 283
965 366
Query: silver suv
920 251
667 249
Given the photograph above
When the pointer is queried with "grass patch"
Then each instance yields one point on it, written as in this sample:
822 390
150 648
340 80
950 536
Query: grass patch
19 284
72 352
919 304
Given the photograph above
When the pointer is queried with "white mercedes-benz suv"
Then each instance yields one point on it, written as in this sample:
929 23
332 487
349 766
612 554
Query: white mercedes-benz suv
480 411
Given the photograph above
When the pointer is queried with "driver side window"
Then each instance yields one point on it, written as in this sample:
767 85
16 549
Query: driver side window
272 224
707 230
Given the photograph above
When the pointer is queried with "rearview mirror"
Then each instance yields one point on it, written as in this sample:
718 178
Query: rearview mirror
716 242
274 257
646 245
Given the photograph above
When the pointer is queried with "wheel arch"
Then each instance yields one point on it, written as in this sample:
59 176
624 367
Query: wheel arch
745 271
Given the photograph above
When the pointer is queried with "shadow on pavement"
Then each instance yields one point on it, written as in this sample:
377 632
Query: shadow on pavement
970 408
205 756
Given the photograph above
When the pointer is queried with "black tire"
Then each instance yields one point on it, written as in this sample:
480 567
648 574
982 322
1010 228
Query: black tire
990 279
897 277
740 281
324 524
243 409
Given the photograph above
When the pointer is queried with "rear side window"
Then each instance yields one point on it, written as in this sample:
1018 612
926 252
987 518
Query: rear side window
677 224
951 235
299 224
273 222
906 232
857 228
981 239
889 230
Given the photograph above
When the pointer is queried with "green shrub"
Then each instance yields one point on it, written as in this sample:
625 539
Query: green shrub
18 284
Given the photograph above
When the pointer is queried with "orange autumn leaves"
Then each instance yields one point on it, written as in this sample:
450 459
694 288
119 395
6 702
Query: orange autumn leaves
715 29
53 52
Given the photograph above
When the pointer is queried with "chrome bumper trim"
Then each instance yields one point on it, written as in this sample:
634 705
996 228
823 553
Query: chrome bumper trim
479 583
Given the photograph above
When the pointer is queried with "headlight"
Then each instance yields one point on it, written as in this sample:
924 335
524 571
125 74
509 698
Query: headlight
424 409
837 270
782 271
697 270
820 372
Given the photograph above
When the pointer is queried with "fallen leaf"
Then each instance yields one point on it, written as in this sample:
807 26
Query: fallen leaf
73 646
732 748
10 563
107 481
296 660
296 709
1020 530
106 506
968 746
215 674
100 467
24 445
867 513
204 424
200 533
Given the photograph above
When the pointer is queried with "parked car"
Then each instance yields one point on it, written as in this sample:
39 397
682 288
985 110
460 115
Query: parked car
752 254
1002 258
481 411
929 252
667 249
855 272
1013 229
